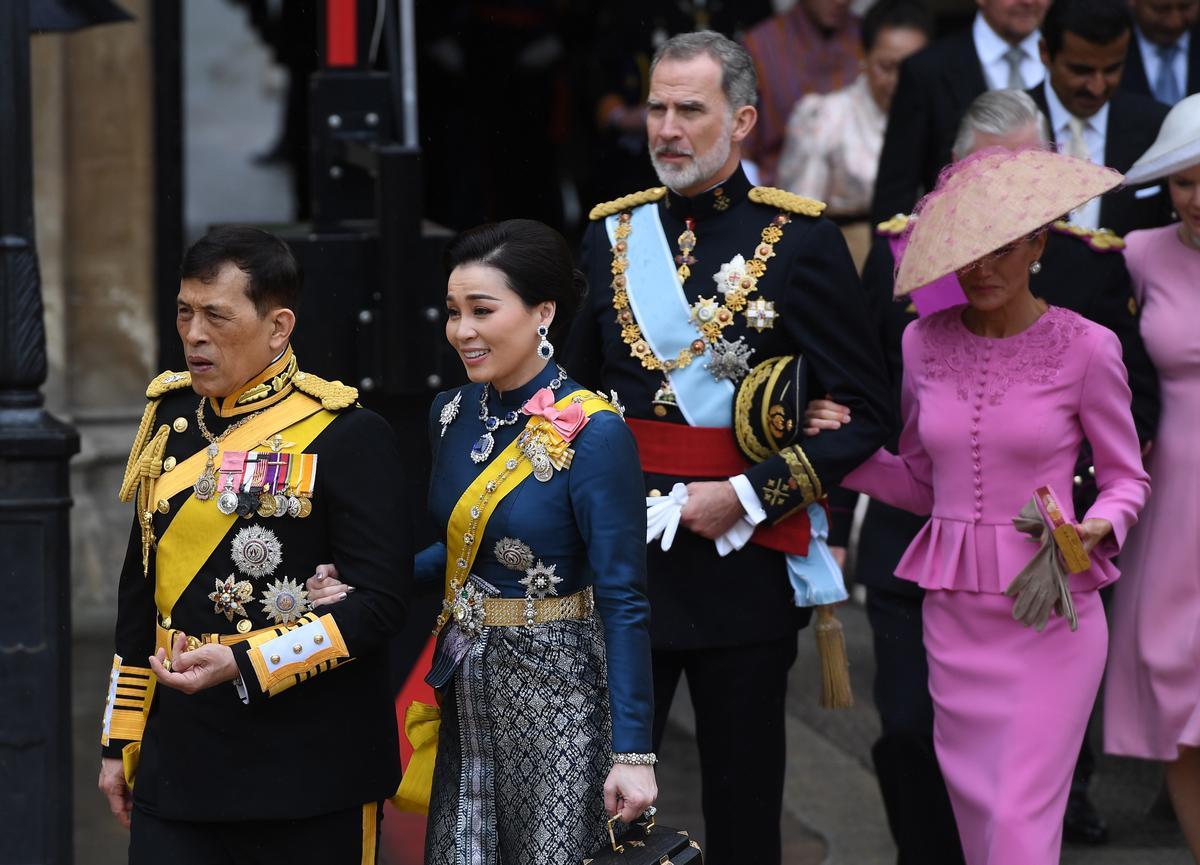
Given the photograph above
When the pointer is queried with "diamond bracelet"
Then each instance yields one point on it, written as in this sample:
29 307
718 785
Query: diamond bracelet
636 759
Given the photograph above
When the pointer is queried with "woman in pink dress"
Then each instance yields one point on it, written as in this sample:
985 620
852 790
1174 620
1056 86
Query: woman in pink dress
1152 692
996 397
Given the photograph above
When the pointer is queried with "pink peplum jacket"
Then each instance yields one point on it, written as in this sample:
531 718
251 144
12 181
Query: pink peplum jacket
988 421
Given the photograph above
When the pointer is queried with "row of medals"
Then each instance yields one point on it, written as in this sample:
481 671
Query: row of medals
247 504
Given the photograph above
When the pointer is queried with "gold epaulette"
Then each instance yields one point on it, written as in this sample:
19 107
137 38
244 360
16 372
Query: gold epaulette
1099 239
165 382
333 395
142 454
627 202
893 227
790 202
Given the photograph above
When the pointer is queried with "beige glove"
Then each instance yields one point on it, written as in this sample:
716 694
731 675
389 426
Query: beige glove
1042 585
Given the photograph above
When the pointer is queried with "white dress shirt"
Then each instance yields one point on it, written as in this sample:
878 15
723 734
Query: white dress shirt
991 49
1095 130
1151 61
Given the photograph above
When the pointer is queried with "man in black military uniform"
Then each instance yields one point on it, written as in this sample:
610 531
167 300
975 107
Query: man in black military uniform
1082 270
692 285
247 472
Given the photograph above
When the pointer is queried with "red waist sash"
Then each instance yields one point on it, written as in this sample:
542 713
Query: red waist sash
685 451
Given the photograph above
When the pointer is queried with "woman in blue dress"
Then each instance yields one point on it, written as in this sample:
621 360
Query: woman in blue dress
543 658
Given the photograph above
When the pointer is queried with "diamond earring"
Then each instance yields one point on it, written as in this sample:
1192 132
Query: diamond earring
544 348
1035 268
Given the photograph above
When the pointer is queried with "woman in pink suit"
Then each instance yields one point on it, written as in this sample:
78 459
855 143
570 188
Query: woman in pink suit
1152 691
997 395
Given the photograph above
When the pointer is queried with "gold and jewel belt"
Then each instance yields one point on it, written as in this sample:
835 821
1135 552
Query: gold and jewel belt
513 612
708 316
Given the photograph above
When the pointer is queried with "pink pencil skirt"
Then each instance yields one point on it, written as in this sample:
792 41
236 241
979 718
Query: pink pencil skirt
1011 708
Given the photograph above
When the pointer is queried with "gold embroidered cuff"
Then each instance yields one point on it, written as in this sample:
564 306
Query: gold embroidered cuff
130 691
803 474
283 657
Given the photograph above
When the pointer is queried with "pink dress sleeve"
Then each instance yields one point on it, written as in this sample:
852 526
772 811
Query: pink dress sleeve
1108 425
905 480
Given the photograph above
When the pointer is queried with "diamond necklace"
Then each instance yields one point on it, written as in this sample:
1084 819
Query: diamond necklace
482 449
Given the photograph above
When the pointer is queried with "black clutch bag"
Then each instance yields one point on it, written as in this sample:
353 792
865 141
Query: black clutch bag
645 842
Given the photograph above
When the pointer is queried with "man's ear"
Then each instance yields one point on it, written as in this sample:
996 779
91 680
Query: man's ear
743 121
283 322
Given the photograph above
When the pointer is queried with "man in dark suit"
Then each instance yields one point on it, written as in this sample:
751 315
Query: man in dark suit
1083 46
1164 54
937 84
672 342
1097 286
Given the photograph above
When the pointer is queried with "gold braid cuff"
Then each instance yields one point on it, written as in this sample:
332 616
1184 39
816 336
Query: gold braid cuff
803 474
742 427
789 202
626 202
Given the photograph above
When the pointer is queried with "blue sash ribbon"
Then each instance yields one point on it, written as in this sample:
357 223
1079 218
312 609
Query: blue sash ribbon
662 311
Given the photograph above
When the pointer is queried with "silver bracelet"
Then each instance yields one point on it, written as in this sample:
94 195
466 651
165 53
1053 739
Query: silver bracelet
636 759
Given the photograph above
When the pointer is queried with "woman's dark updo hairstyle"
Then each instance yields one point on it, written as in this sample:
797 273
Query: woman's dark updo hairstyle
536 263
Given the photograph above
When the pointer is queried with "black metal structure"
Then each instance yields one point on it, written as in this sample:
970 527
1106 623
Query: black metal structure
35 624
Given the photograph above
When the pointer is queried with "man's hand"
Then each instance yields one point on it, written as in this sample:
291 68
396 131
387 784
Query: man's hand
712 507
823 414
325 587
209 665
112 785
629 791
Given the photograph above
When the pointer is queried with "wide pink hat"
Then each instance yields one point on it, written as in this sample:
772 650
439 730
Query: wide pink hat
987 201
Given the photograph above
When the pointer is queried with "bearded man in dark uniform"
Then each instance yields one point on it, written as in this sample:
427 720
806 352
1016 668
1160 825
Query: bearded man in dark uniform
695 287
247 472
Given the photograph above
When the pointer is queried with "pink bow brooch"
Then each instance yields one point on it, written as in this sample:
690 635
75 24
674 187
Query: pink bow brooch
567 423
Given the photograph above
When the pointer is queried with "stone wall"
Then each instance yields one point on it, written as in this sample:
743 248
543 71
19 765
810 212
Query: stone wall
93 187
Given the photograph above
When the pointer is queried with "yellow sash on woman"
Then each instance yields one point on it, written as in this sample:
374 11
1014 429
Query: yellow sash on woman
422 721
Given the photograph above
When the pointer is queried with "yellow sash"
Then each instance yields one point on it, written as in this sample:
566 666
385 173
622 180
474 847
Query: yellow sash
422 721
199 527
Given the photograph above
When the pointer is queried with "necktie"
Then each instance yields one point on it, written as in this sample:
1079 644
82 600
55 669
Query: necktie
1013 57
1166 85
1076 146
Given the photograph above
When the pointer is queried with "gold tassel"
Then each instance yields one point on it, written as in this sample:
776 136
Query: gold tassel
147 468
835 667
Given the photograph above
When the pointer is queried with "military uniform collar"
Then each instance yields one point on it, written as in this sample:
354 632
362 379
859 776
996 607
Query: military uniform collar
265 389
517 396
712 202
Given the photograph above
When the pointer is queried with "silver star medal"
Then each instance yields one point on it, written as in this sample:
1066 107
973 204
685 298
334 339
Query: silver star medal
540 580
284 601
729 360
449 412
256 551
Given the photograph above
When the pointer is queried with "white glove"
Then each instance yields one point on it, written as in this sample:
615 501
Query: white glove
662 515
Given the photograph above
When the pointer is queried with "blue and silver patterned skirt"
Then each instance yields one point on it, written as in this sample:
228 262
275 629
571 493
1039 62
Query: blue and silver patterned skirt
524 749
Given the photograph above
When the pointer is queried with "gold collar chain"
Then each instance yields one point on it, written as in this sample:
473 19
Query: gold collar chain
709 317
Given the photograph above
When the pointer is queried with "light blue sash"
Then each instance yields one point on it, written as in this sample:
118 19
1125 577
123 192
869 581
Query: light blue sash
662 311
816 578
